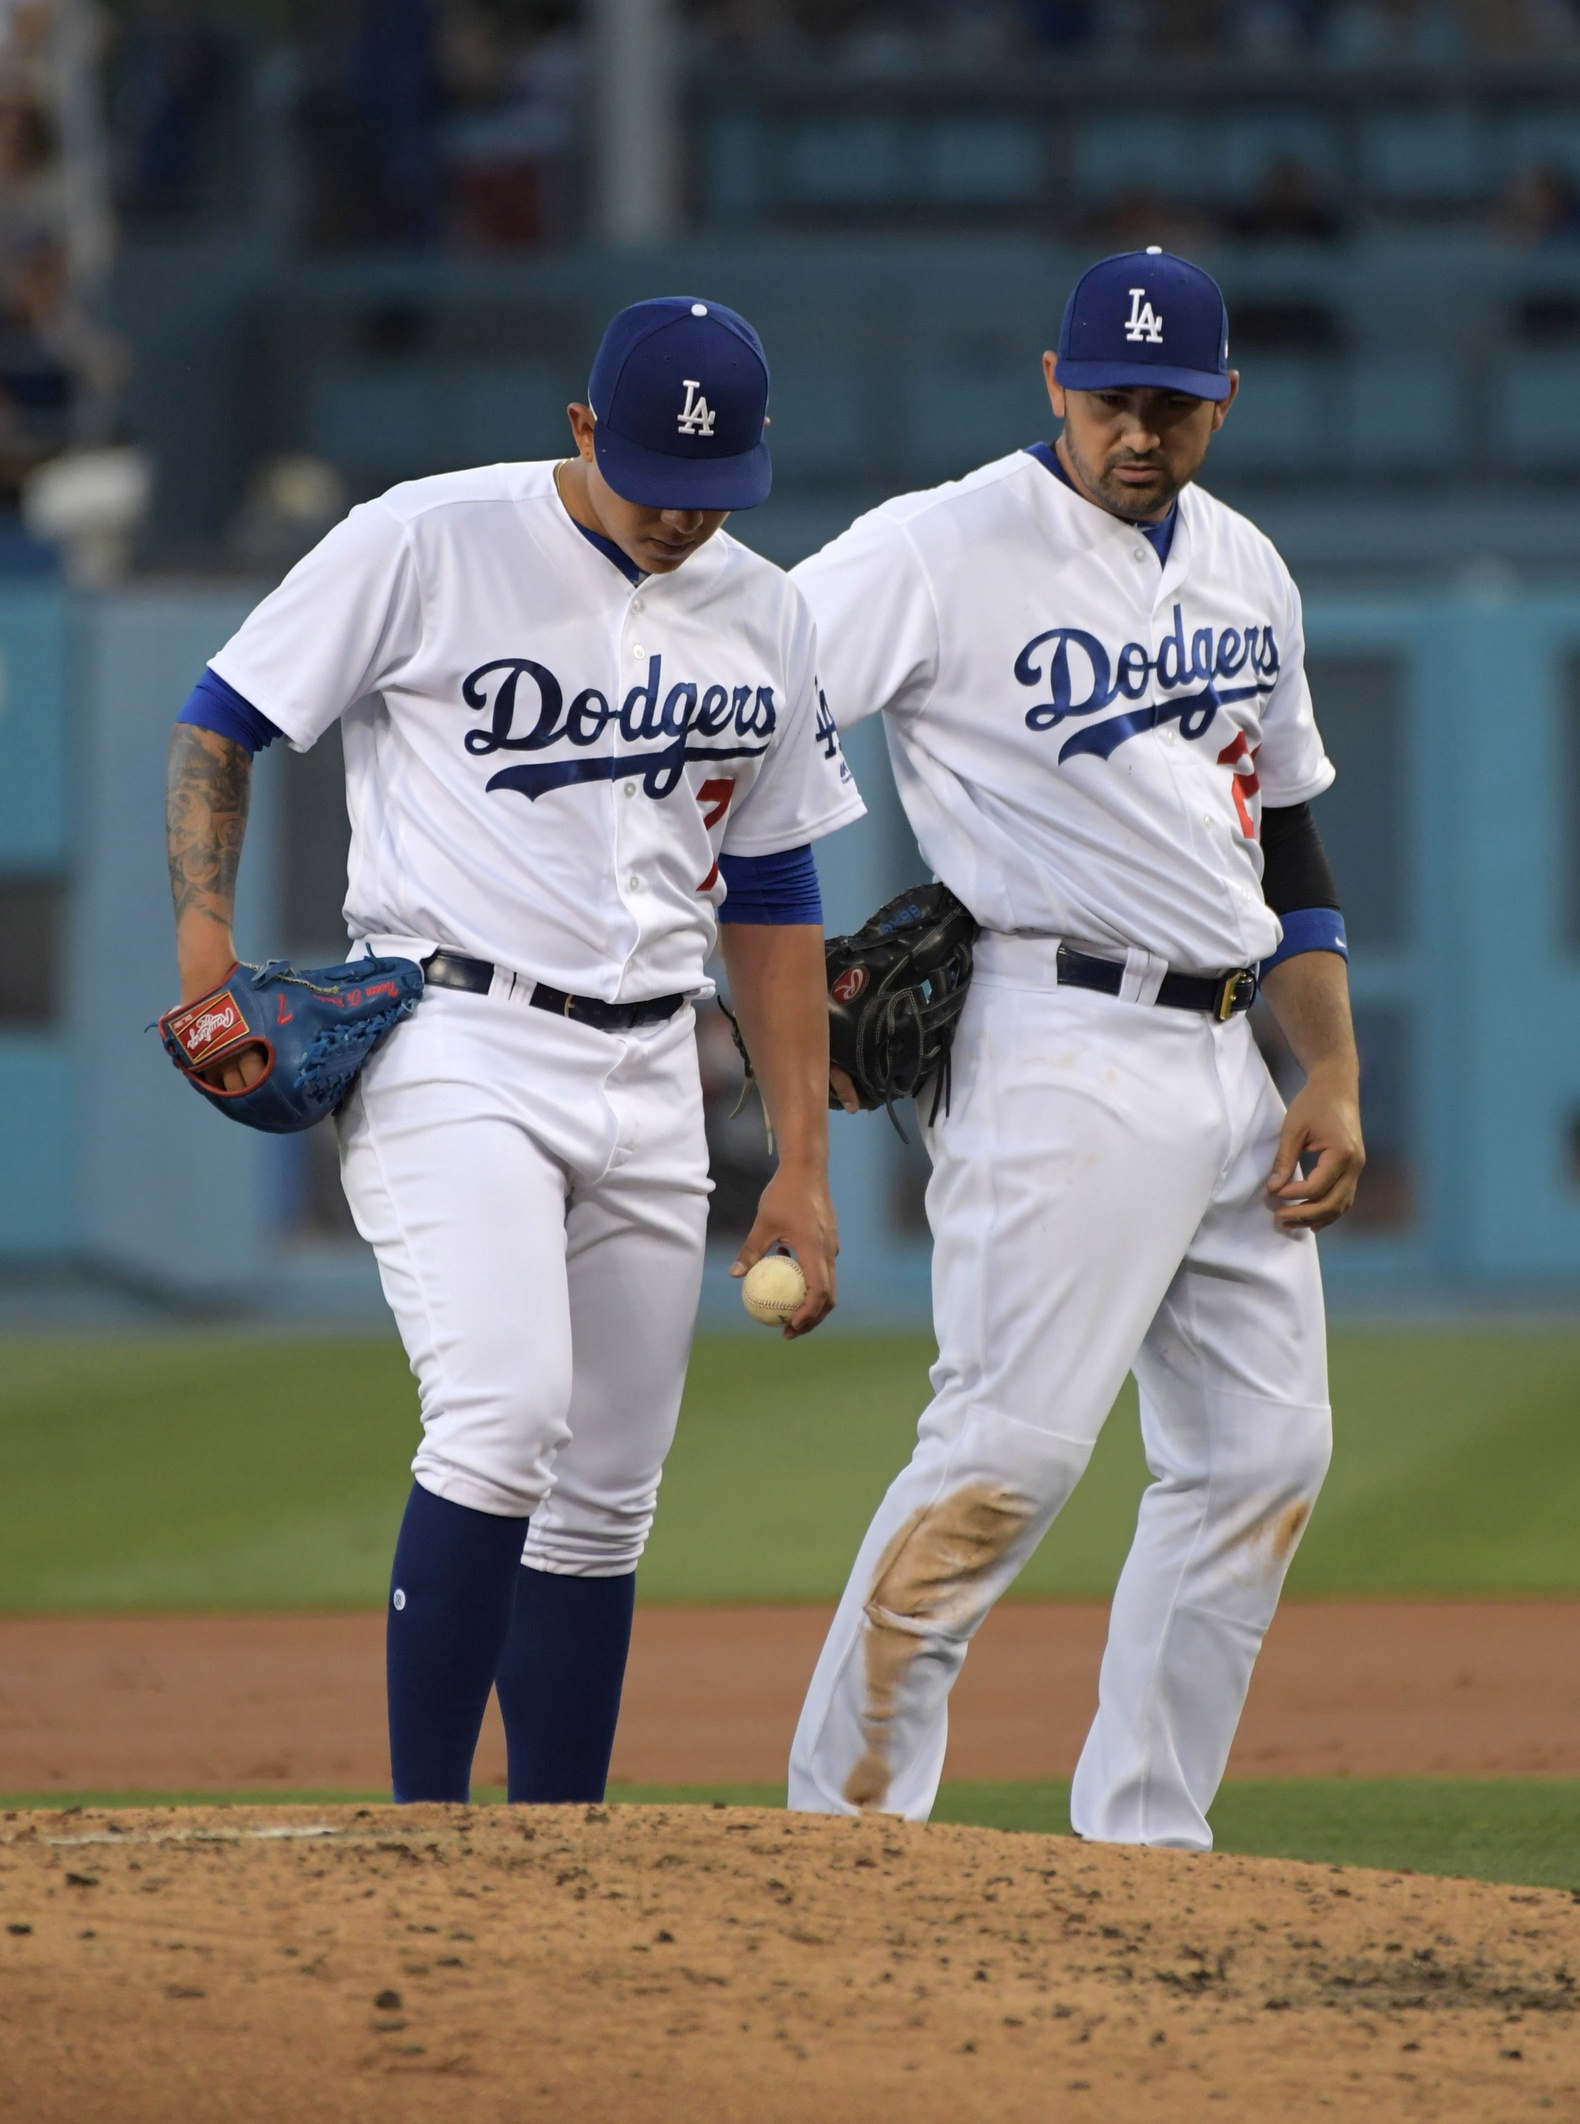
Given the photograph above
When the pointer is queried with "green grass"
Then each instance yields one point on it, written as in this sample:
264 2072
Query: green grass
216 1472
1524 1830
1492 1829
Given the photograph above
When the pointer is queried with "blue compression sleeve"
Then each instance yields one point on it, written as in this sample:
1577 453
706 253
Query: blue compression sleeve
213 705
771 888
451 1594
1309 929
559 1682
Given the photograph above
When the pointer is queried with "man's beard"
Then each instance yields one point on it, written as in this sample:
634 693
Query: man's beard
1122 501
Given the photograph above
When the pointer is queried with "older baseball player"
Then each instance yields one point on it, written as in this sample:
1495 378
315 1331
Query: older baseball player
575 714
1091 678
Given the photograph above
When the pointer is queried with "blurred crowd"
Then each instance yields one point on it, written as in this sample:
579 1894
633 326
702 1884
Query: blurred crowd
414 122
57 364
868 34
463 123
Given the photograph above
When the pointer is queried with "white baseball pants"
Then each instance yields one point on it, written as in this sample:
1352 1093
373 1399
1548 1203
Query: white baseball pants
536 1193
1098 1206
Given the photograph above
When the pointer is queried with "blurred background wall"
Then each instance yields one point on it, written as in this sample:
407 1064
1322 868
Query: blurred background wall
258 261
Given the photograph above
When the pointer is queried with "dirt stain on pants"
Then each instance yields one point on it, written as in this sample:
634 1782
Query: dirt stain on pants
927 1575
1282 1532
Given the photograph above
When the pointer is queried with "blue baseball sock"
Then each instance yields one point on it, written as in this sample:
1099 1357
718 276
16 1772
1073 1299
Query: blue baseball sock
559 1682
449 1613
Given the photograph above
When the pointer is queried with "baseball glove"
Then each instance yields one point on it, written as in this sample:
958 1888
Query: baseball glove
315 1029
895 993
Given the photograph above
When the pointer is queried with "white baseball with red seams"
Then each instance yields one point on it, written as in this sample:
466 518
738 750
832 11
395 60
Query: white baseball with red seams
544 761
1083 737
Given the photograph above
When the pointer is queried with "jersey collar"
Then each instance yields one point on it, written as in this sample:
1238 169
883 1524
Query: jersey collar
615 555
1160 537
611 552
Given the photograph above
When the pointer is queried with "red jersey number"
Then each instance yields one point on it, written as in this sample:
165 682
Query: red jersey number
1243 780
714 797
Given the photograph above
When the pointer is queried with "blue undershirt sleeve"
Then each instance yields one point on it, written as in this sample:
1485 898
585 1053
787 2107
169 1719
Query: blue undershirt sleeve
1309 929
771 888
213 705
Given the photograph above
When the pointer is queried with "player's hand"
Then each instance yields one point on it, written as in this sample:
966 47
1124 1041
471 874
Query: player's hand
844 1090
207 960
796 1211
238 1072
1324 1121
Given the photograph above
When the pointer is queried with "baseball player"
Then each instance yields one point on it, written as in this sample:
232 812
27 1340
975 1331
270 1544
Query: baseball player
1091 678
576 714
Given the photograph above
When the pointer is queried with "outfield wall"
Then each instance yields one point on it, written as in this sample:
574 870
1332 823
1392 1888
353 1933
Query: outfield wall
1455 722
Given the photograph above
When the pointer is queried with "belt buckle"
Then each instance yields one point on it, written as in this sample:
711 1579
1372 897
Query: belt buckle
1229 994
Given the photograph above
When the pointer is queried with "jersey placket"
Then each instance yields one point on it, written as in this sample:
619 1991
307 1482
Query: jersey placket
1214 833
631 838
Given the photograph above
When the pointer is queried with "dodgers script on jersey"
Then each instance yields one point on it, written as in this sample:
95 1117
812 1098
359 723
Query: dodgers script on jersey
1083 736
543 759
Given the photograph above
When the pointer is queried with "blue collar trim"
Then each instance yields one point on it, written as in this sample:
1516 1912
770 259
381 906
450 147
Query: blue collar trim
611 552
1159 536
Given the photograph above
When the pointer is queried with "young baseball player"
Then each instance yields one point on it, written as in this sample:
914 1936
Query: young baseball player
580 724
1091 674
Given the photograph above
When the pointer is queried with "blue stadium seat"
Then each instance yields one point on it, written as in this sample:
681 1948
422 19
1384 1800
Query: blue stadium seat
1536 408
1155 148
815 407
1405 410
970 402
1411 156
987 161
1283 420
855 160
1248 143
731 165
386 421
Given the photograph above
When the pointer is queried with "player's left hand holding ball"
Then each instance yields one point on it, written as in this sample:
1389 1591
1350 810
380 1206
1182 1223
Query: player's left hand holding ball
778 994
797 1211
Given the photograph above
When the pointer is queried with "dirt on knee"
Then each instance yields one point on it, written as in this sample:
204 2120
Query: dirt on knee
928 1574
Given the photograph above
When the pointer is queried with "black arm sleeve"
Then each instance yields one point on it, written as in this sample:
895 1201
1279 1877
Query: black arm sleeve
1295 868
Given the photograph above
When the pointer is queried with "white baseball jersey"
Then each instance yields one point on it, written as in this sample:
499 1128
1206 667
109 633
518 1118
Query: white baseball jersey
1082 736
543 759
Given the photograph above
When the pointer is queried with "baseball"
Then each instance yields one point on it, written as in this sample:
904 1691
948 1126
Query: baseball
774 1289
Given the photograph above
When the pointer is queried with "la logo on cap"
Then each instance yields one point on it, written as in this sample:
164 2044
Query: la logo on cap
1143 322
695 418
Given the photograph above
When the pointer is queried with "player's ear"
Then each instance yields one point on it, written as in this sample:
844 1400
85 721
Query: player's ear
1223 405
581 419
1050 375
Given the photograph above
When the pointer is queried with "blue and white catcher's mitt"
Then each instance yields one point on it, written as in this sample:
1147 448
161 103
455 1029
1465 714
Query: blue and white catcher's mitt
316 1030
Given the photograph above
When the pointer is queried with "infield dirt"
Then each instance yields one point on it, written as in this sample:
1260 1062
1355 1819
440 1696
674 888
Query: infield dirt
169 1703
731 1966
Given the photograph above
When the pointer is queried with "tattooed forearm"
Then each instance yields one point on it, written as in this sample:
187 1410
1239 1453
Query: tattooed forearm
207 787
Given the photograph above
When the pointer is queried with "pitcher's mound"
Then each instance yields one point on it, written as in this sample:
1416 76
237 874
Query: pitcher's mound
730 1966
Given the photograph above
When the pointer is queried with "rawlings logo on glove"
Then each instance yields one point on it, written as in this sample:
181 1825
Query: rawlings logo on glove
895 993
314 1030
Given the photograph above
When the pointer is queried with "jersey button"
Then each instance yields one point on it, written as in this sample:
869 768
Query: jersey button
630 789
638 651
1140 554
635 884
638 604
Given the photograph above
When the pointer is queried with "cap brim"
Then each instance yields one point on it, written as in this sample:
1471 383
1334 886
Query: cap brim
654 481
1139 376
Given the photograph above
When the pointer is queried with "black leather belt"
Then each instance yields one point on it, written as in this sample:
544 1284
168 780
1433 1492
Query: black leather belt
448 969
1222 995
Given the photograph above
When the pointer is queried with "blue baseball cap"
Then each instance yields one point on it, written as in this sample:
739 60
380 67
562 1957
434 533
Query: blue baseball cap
680 391
1146 317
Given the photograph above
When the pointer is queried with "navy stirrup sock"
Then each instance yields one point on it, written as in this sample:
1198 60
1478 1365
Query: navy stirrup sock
449 1614
559 1682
